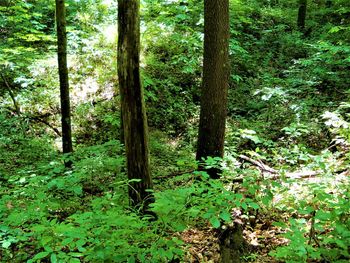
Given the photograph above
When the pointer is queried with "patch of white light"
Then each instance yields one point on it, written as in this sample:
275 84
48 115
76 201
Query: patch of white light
107 2
170 1
110 33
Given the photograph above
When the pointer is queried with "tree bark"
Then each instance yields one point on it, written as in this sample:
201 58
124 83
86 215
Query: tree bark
63 76
132 103
215 81
5 3
302 14
232 244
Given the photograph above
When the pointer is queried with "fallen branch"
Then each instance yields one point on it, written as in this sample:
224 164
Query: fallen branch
302 174
296 175
288 175
262 166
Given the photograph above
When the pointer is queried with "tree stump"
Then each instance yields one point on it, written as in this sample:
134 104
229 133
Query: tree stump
232 244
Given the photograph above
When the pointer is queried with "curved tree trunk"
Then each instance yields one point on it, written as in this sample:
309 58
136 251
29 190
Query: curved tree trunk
63 75
132 103
215 81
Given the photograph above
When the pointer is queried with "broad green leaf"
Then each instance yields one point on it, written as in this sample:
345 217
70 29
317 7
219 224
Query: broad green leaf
41 255
254 205
131 259
224 215
6 244
53 258
215 222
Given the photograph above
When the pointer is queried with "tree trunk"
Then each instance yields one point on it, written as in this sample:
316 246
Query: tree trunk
232 244
5 3
329 3
302 14
132 103
215 81
63 76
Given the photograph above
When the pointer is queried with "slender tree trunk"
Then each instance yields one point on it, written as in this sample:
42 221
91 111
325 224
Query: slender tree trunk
63 75
132 103
302 14
329 3
215 81
4 3
213 112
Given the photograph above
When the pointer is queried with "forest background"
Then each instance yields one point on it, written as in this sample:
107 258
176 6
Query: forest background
288 108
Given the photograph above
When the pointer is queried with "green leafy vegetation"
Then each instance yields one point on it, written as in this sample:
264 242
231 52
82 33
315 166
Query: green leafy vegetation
284 184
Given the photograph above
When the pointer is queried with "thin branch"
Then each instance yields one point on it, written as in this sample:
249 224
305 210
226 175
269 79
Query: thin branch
42 120
18 110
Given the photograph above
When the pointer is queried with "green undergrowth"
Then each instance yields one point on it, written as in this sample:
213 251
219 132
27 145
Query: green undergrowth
287 108
318 227
51 214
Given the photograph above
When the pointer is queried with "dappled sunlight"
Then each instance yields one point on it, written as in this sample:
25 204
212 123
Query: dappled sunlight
84 92
272 180
110 33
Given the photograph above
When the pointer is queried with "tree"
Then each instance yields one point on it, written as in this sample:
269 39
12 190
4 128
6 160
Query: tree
211 137
4 3
63 76
302 14
132 103
215 81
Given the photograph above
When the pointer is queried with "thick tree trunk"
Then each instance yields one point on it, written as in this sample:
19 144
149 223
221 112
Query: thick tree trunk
215 81
63 75
133 108
302 14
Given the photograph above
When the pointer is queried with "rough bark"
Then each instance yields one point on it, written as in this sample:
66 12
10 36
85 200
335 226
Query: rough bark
5 3
132 103
63 76
302 14
232 244
215 81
